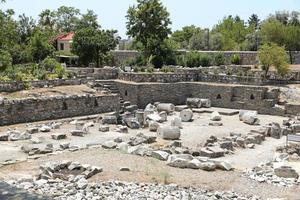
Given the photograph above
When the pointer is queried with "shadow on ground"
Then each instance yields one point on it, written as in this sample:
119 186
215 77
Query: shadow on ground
8 192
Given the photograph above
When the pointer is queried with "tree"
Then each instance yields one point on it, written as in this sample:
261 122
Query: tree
88 20
183 37
47 20
40 47
66 18
273 30
5 60
148 23
273 55
25 27
254 21
92 45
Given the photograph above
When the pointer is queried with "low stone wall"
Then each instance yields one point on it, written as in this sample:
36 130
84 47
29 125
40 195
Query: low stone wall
204 75
97 73
17 86
37 109
247 57
257 98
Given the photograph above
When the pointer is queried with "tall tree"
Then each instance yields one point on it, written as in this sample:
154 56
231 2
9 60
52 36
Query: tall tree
254 21
92 45
67 18
88 20
26 26
148 23
47 19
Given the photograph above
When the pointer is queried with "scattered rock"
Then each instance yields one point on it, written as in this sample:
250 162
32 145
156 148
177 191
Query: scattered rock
169 132
186 115
104 128
58 136
215 116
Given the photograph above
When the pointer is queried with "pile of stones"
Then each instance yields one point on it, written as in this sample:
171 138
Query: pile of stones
16 135
174 153
292 125
79 188
278 173
63 170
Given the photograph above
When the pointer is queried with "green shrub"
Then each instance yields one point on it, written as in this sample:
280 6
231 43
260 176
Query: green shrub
167 69
219 59
235 59
205 60
180 60
5 60
150 69
192 59
5 78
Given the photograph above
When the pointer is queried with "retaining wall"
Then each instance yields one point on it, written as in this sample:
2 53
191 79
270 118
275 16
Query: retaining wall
257 98
37 109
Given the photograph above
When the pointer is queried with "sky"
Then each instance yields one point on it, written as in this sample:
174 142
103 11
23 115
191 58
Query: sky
203 13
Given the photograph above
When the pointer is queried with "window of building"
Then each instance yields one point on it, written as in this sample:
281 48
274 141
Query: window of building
62 46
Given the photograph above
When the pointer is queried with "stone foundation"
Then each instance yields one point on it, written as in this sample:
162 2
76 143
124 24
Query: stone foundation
257 98
37 109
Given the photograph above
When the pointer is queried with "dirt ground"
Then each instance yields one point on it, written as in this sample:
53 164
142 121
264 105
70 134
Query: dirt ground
52 91
146 169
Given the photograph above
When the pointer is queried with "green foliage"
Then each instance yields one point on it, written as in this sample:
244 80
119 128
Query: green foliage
273 55
219 59
205 60
39 46
235 59
93 45
148 23
167 69
5 60
192 59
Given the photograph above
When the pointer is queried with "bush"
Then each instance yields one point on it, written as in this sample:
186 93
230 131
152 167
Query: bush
50 64
273 55
167 69
235 59
5 60
205 60
192 59
219 59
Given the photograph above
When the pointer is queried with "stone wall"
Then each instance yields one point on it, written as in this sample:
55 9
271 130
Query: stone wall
37 109
97 73
247 57
258 98
17 86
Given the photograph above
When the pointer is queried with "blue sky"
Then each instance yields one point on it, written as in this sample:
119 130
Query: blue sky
204 13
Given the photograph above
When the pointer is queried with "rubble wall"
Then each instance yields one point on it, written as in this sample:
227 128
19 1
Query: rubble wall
257 98
37 109
247 57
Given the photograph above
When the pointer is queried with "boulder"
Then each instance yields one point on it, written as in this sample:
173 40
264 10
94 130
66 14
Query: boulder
153 126
275 131
109 119
223 165
140 117
109 145
45 129
207 166
58 136
132 123
206 103
186 115
249 117
226 145
169 132
65 145
286 172
154 117
121 129
176 122
4 137
123 146
32 130
179 160
193 102
164 116
241 142
168 107
215 116
16 135
194 164
160 155
104 128
78 133
140 150
140 138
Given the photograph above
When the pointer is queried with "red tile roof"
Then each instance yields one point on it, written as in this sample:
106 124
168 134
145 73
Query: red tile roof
65 37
